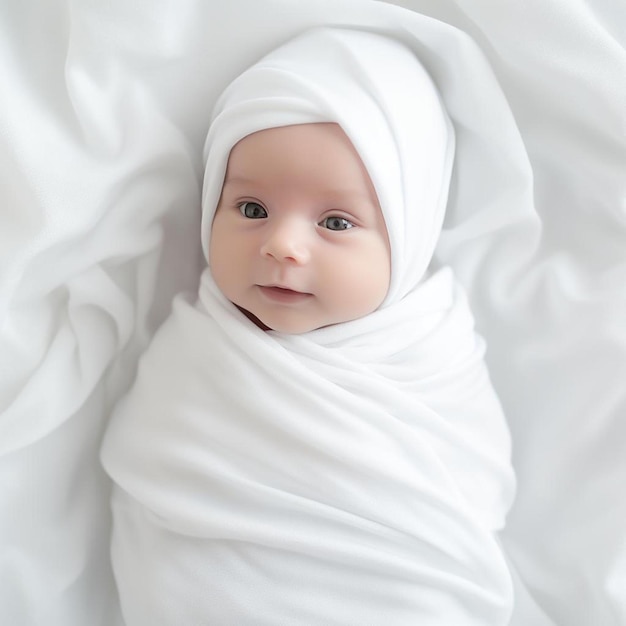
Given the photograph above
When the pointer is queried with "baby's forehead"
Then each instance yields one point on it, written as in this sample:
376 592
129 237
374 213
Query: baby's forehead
306 155
281 135
305 143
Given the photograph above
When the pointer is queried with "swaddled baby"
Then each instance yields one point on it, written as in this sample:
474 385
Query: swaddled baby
315 440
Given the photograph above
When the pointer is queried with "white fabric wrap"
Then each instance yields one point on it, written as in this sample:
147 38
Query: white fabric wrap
356 474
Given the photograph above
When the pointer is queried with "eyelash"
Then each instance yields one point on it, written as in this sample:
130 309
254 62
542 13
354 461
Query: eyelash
346 224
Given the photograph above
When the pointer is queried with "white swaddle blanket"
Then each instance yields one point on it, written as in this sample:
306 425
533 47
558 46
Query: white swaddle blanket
355 474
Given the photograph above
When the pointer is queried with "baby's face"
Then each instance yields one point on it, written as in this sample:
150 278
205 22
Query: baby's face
298 240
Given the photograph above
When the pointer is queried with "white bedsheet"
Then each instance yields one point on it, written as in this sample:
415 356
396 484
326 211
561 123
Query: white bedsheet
103 110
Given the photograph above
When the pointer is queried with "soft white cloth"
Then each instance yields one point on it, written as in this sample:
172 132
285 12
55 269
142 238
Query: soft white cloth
103 115
355 474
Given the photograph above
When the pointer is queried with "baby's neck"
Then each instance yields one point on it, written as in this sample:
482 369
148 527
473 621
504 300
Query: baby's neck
254 318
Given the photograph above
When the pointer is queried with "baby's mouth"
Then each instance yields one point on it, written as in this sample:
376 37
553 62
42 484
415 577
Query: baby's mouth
283 294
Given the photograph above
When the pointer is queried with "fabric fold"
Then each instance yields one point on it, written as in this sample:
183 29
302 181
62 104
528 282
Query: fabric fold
321 473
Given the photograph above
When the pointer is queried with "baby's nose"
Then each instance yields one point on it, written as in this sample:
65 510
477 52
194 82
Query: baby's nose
288 240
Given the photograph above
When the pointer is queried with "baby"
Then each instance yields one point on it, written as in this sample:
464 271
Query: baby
316 440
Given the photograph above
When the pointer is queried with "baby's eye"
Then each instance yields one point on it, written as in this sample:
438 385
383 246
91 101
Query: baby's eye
252 210
336 223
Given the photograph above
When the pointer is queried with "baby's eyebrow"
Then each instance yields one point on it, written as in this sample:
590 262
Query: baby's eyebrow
239 180
338 194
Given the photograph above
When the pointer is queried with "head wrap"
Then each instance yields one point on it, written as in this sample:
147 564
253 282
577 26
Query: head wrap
385 102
